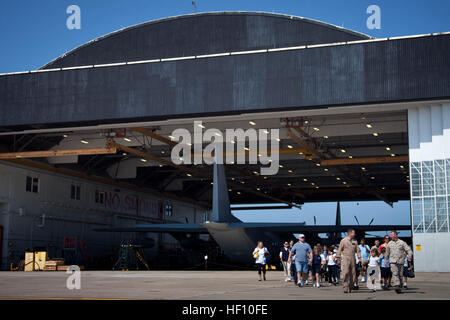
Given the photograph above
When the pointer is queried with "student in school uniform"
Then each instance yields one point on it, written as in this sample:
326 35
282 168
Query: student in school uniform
332 267
316 266
406 270
284 257
385 269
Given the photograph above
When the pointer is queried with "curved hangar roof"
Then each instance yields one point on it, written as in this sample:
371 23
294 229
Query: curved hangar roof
204 33
334 74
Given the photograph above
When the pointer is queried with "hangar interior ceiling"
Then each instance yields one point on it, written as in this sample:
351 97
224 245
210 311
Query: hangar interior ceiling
372 148
334 152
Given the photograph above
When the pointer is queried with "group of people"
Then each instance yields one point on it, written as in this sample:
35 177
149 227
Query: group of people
380 266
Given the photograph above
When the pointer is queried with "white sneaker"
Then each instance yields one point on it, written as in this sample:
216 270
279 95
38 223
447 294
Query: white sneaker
317 285
299 282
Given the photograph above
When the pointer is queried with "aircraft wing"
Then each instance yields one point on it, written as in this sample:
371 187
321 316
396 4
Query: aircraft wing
273 227
160 227
301 227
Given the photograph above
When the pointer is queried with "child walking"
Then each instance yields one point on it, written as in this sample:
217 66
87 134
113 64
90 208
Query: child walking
406 270
373 270
385 269
316 266
332 267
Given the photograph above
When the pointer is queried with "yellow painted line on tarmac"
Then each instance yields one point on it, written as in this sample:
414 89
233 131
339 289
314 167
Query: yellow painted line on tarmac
53 298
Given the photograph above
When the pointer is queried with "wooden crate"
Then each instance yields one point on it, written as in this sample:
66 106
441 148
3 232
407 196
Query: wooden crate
29 261
50 268
40 257
62 268
54 262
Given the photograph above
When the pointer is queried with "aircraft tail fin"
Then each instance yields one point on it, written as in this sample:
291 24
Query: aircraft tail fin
221 203
338 214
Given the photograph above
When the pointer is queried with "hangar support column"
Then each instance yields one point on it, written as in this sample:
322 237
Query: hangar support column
429 163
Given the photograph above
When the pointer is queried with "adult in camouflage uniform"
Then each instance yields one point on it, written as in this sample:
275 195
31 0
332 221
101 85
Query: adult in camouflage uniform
396 252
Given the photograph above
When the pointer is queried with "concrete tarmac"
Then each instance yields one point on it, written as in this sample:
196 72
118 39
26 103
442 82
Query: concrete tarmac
233 285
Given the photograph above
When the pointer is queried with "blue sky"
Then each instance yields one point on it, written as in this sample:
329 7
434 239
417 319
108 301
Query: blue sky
34 32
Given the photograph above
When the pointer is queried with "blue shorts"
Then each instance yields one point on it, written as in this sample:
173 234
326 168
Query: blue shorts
385 272
315 268
405 272
301 266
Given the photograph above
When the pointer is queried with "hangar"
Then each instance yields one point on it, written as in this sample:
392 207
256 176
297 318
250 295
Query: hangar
359 119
